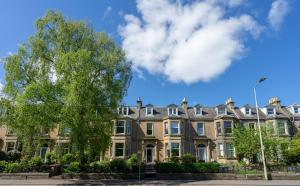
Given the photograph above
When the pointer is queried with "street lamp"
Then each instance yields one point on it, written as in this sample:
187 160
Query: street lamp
259 129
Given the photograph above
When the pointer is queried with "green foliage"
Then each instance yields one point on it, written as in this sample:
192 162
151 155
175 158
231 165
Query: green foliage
69 74
118 165
67 159
36 161
13 168
187 167
14 155
188 158
51 158
133 160
73 167
2 166
100 166
175 159
292 155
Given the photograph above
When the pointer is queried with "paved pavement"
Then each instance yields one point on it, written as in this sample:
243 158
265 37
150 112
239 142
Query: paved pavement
148 182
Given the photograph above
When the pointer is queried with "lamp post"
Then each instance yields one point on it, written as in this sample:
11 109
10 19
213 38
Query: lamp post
259 129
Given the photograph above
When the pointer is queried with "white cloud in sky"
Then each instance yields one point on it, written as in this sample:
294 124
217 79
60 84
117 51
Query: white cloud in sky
278 11
186 43
1 90
107 11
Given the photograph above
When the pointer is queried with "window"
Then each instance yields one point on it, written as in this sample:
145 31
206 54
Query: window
128 127
221 149
175 127
281 128
198 111
219 128
172 111
10 131
167 151
149 131
296 110
120 127
119 149
149 111
166 124
200 129
270 111
123 111
248 111
252 126
67 130
229 150
175 149
228 127
10 146
221 110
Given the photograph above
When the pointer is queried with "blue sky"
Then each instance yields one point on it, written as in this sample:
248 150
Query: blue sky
270 50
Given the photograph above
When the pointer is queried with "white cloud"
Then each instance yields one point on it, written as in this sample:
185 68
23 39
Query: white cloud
278 11
186 43
107 11
1 90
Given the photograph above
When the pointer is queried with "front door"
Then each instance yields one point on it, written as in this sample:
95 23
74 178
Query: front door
149 155
201 154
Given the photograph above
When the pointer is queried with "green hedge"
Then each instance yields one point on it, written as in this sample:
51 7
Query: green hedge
187 167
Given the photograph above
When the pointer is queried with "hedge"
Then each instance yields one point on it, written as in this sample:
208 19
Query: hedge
187 167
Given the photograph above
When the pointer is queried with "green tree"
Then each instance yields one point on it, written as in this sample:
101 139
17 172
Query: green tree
70 75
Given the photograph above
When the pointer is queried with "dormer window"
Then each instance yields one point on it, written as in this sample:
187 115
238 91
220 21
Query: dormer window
270 111
149 111
222 111
247 111
296 110
124 111
198 111
172 111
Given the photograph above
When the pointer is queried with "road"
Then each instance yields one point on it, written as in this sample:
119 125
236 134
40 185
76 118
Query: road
45 182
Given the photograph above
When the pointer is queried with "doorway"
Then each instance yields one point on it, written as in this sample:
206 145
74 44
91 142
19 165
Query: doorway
149 153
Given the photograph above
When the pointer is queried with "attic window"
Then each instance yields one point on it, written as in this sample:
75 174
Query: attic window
222 111
149 111
172 111
198 111
270 111
248 111
296 110
124 111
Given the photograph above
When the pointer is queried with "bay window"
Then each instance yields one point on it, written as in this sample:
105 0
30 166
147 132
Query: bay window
175 148
221 149
219 128
227 127
281 128
200 129
119 149
166 128
175 127
229 150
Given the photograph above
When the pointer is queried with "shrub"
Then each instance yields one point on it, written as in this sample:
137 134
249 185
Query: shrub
133 163
3 156
14 155
206 167
168 167
73 167
100 166
13 168
188 158
67 159
36 161
175 159
118 165
51 158
2 166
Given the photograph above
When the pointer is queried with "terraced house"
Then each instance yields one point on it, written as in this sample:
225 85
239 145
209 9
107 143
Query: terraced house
159 133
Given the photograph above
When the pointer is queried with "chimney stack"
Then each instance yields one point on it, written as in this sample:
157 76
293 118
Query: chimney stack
274 101
184 104
230 103
139 103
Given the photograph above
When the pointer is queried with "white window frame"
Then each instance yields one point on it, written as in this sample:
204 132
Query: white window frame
123 111
116 126
152 127
249 111
233 151
203 129
218 111
298 110
178 126
221 150
200 110
179 149
151 111
254 124
284 125
273 111
217 132
172 111
166 128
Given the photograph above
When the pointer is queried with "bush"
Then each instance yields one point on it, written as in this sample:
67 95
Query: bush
188 158
36 161
187 167
206 167
118 165
168 167
2 166
13 168
133 163
51 158
3 156
73 167
175 159
100 166
14 155
67 159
